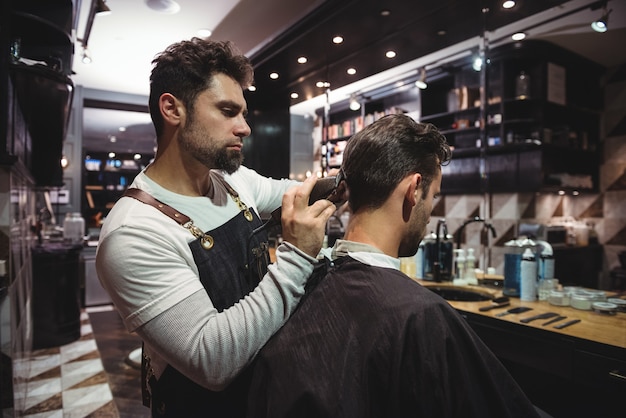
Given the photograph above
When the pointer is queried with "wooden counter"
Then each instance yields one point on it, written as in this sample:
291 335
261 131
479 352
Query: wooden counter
586 360
597 327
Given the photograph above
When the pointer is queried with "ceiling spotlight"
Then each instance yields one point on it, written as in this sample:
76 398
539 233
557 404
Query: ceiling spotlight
302 60
86 56
602 24
354 103
338 39
421 82
274 76
252 88
390 54
351 71
518 36
508 4
204 33
101 8
477 65
294 95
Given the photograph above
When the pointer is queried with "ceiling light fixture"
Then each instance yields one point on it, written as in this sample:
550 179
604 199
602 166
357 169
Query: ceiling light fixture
97 7
204 33
338 39
390 54
294 95
477 64
274 76
518 36
302 60
354 102
252 88
351 71
508 4
421 82
602 25
101 8
86 55
164 6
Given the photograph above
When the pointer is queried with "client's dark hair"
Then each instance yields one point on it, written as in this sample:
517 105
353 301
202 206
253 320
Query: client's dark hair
377 158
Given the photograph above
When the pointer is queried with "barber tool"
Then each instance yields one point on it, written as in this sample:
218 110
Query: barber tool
332 188
540 316
553 320
500 302
567 324
517 310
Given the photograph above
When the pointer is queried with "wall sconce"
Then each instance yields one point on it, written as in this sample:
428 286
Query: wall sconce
602 24
354 103
421 82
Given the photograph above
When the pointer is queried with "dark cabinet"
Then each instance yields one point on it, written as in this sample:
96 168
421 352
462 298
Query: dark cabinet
36 68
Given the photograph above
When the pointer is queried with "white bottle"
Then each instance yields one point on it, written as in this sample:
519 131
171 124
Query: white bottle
470 267
419 261
459 268
528 282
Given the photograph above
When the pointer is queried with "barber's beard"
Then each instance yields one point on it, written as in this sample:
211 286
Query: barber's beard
207 150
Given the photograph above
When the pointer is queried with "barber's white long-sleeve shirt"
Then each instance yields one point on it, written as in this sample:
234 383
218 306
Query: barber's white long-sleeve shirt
144 262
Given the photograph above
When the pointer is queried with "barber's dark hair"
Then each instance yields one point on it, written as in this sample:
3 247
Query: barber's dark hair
185 69
377 158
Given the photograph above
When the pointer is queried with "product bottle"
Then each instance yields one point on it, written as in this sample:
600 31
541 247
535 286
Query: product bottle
419 261
528 285
470 267
459 267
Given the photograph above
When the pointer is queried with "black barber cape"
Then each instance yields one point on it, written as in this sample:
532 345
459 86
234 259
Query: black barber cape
370 342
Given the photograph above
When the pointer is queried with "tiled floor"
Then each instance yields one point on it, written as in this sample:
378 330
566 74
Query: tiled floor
90 377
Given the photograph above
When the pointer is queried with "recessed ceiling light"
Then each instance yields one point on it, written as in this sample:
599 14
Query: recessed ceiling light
112 138
385 12
351 71
390 54
252 88
518 36
294 95
441 32
274 76
508 4
111 155
164 6
122 129
204 33
302 60
338 39
137 156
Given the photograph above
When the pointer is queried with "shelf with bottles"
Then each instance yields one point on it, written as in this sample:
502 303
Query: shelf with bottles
104 182
343 125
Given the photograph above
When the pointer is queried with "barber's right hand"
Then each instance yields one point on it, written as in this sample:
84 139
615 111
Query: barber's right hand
304 226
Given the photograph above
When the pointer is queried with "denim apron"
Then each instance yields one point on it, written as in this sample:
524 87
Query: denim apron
231 261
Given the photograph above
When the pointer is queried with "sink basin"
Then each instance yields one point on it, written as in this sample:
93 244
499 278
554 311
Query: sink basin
462 294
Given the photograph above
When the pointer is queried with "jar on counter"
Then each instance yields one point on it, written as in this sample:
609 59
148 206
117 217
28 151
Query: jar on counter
559 298
580 301
73 228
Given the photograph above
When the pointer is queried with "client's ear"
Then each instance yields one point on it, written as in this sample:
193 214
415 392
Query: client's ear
413 189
